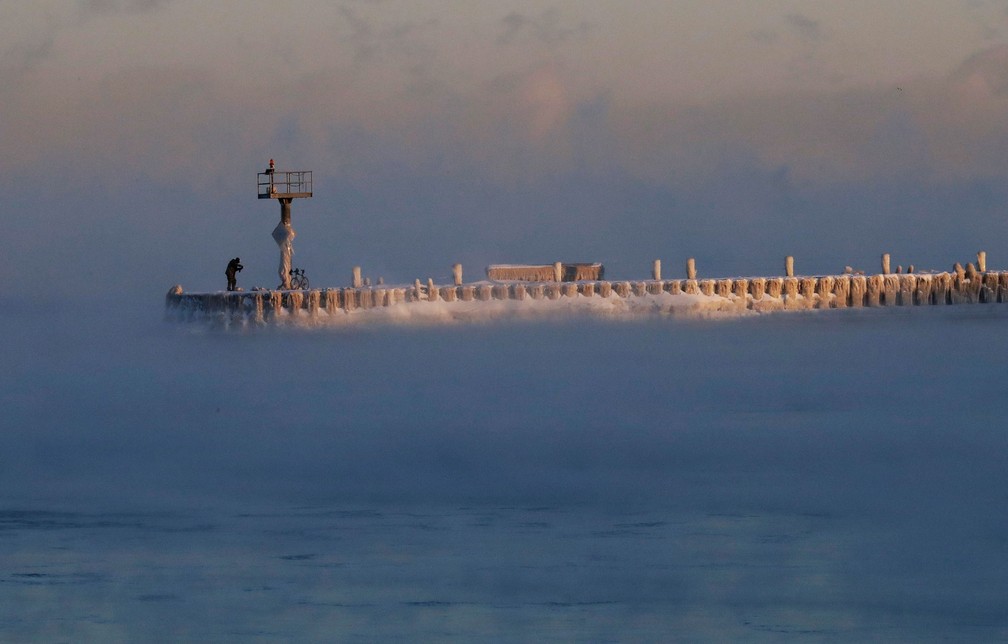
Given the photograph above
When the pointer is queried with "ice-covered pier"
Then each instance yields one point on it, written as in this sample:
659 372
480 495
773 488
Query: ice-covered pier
968 285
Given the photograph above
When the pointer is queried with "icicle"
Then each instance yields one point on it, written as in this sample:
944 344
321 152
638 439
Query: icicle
873 296
922 292
824 292
890 287
859 291
842 291
907 286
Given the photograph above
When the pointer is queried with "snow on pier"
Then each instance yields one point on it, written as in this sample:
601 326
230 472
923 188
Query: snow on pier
510 299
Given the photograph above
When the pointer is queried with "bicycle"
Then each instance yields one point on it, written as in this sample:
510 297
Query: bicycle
298 281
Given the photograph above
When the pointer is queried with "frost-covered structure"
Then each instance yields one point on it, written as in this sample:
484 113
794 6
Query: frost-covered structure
284 186
557 272
284 236
433 303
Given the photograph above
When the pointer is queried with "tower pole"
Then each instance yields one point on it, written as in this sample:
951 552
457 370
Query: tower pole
284 235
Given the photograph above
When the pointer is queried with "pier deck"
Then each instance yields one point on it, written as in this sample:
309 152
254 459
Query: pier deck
752 293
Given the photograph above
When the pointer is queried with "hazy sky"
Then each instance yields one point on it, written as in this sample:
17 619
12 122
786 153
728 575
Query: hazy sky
503 131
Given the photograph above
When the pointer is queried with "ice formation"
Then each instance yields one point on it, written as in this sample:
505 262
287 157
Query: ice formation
284 236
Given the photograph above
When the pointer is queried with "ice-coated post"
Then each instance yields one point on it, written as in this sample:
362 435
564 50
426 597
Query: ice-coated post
691 269
356 277
656 270
885 263
284 236
982 261
789 266
557 272
457 273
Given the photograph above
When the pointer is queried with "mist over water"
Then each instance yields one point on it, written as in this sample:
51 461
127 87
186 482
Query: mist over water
837 473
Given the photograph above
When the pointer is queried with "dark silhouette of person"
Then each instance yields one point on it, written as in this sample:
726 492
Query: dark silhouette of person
232 271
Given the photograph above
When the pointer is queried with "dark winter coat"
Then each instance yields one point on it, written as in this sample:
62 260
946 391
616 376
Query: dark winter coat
232 268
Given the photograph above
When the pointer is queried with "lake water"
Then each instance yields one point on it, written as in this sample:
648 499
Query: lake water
835 475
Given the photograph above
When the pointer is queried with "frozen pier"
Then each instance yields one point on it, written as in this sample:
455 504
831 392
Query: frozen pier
739 294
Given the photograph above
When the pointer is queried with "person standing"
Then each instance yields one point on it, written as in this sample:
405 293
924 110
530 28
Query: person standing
233 267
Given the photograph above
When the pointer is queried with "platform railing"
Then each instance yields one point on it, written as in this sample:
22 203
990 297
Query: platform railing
285 184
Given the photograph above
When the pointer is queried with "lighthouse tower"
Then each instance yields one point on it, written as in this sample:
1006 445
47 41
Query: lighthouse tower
285 186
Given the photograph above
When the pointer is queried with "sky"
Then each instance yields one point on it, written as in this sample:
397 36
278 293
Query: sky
488 132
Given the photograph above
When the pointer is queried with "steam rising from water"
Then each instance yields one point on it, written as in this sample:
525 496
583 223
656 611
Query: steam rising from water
838 472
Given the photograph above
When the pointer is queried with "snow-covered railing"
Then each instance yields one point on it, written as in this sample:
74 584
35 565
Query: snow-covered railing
557 272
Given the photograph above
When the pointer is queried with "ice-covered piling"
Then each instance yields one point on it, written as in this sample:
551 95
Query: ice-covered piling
740 288
841 291
775 287
724 288
824 292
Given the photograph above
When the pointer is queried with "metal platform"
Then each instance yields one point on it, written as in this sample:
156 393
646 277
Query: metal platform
285 184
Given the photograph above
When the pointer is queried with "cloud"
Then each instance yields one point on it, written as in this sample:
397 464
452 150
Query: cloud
191 124
399 41
985 73
764 37
98 8
804 27
25 56
545 28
